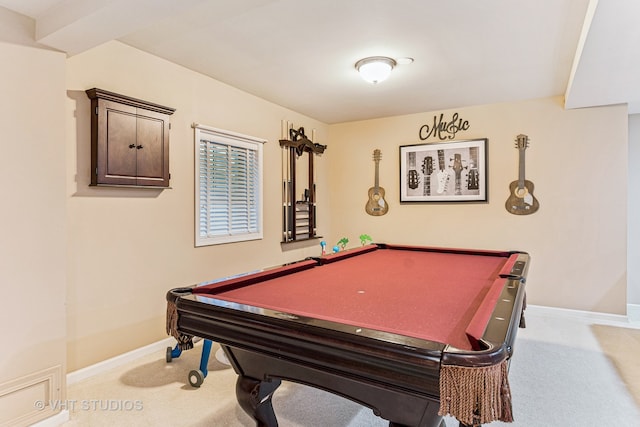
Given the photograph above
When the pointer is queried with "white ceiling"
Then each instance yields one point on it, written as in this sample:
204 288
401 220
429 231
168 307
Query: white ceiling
301 53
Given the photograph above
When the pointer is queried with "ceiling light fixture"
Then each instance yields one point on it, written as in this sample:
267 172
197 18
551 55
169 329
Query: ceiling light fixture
375 68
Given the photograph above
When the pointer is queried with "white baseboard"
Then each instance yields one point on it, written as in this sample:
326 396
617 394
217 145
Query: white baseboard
98 368
633 313
633 316
54 421
631 319
580 315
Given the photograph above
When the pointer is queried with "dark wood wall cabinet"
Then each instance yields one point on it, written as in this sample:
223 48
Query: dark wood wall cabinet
129 141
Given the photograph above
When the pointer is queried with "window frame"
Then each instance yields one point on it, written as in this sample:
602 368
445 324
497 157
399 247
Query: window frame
231 139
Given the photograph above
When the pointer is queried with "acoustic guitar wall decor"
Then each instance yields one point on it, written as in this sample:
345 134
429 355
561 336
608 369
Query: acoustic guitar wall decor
376 205
521 201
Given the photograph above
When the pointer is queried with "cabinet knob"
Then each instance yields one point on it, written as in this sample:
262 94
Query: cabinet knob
139 147
132 145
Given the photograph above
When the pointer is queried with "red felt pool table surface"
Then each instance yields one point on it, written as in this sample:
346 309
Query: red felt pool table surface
415 333
437 296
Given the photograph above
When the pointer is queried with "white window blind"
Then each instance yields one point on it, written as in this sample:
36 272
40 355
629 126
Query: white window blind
228 186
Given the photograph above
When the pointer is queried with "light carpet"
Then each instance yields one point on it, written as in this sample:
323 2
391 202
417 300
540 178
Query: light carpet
559 376
622 347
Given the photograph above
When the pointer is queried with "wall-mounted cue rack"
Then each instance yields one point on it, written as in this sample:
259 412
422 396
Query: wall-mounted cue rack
298 183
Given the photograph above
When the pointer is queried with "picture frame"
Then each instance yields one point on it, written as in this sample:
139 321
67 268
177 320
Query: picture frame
453 171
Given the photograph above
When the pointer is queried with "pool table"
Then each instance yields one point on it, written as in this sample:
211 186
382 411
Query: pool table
414 333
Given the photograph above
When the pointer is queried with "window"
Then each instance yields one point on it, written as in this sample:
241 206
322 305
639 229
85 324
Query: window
228 183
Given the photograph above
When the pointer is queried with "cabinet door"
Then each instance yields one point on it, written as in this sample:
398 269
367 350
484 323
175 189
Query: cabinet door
116 144
152 148
129 140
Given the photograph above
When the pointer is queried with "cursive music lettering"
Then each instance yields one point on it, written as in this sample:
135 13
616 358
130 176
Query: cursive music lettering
443 129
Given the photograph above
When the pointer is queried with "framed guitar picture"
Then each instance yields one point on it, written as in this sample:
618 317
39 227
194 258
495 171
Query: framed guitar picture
454 171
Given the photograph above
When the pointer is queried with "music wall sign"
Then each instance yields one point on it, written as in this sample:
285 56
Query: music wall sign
443 129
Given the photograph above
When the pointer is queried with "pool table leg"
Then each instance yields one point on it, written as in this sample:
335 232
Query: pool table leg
254 396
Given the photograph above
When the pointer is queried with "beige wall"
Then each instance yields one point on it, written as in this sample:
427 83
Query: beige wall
128 247
577 161
32 230
633 256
